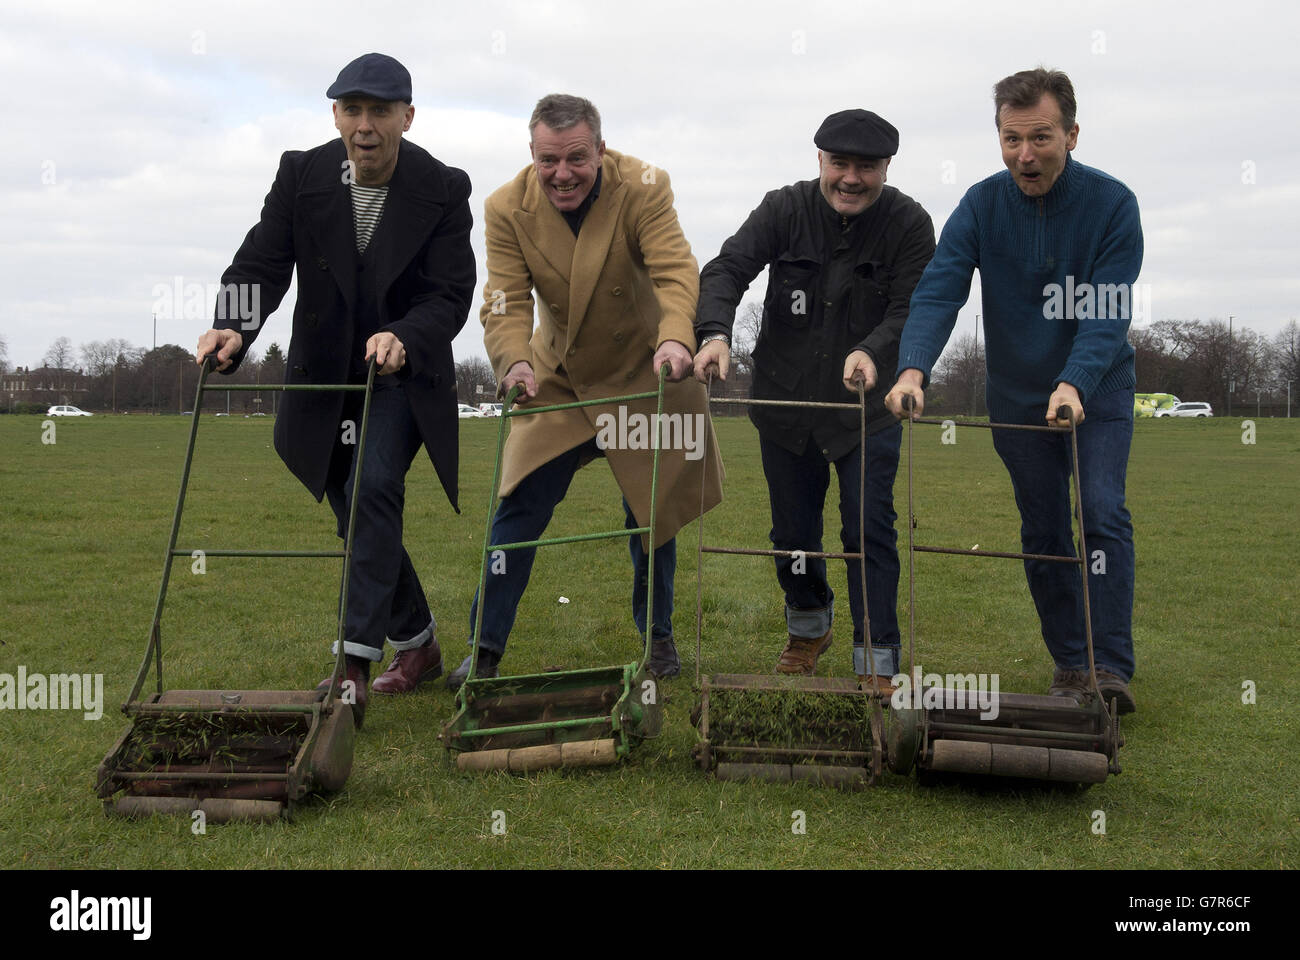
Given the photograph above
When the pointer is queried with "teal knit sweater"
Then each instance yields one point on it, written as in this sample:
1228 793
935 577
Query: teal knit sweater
1057 275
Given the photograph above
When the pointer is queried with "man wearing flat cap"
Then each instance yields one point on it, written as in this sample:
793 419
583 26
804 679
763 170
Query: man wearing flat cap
843 253
379 233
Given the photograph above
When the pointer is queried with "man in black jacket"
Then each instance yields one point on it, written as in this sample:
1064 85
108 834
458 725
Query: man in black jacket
379 233
844 252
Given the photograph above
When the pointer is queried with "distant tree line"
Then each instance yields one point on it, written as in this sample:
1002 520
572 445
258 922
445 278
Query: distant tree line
1243 372
1238 371
117 376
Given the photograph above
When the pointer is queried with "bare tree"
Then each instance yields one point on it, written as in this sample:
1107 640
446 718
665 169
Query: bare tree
744 336
958 378
59 356
98 357
4 355
475 381
1286 355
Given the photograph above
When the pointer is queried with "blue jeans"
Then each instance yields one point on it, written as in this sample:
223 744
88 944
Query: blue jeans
523 516
385 598
797 487
1040 468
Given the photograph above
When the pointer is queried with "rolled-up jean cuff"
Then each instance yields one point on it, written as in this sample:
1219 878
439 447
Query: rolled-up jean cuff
884 660
809 624
419 640
351 649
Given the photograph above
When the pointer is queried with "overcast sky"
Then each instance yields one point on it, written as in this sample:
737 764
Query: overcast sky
144 136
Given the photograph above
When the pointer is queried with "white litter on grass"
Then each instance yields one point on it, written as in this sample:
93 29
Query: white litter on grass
564 599
976 547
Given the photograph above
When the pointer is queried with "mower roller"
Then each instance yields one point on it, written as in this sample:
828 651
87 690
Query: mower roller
1022 736
821 730
565 718
233 754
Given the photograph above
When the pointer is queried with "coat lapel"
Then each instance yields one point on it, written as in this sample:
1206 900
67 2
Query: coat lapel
327 203
546 229
593 243
411 210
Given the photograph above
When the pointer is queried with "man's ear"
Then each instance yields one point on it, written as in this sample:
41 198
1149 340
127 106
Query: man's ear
410 115
1072 138
600 151
334 108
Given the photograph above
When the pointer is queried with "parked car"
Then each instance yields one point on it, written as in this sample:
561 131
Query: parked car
67 411
490 409
466 412
1186 410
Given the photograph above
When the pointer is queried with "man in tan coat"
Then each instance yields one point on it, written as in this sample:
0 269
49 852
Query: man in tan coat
595 234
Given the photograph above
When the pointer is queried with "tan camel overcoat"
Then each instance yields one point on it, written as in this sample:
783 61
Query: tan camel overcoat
605 301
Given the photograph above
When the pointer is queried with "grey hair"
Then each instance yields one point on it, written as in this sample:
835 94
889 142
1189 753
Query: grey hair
560 111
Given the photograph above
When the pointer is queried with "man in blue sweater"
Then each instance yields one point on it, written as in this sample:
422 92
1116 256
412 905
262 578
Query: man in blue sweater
1058 246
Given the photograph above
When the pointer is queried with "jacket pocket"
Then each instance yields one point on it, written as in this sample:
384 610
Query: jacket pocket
870 300
774 367
790 292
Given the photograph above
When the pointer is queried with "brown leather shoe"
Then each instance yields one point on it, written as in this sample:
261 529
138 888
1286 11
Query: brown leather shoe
410 668
359 676
801 653
1114 688
878 682
1070 683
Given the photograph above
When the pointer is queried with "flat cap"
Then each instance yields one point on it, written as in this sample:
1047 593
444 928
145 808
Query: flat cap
859 133
372 75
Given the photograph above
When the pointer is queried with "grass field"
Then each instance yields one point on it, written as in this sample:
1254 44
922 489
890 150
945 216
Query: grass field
1208 781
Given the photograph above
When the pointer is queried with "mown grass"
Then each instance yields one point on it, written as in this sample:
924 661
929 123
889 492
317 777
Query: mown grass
1208 781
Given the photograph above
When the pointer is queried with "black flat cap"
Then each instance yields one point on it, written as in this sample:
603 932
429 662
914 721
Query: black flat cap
372 75
859 133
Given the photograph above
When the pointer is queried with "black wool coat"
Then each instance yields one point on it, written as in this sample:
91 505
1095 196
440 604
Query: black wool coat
424 277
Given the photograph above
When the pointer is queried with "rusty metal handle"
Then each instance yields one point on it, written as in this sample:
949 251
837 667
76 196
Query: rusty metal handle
1064 412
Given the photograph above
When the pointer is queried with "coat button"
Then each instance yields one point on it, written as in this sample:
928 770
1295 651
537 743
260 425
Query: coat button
555 308
572 351
618 336
299 368
617 291
322 263
311 319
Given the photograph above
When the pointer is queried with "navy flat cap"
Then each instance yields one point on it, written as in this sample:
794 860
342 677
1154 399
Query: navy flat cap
859 133
372 75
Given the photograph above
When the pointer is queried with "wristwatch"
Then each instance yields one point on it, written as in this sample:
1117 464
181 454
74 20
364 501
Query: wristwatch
716 336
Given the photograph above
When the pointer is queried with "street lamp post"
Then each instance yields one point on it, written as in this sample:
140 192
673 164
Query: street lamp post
1232 384
1288 397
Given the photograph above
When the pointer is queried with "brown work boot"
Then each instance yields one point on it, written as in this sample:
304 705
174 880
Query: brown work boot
358 671
410 668
1114 687
877 682
1070 683
801 653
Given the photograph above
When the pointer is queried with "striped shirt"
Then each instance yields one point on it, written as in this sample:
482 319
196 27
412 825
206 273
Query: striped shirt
367 208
